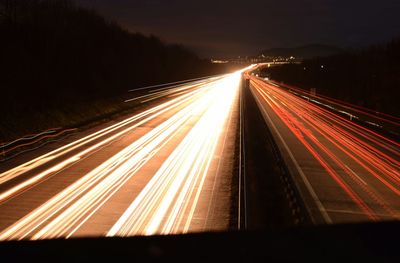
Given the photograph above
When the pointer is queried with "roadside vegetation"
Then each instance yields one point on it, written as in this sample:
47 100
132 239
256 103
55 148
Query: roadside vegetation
369 77
62 65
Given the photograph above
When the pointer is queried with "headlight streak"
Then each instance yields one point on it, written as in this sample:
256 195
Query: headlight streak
65 213
175 83
28 224
174 185
140 119
159 94
172 91
87 139
131 159
298 114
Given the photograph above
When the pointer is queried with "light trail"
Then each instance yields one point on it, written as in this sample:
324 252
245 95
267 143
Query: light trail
354 108
185 169
169 91
338 145
173 84
127 125
175 182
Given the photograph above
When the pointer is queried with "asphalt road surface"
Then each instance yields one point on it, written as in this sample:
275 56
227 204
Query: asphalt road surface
170 167
164 170
345 172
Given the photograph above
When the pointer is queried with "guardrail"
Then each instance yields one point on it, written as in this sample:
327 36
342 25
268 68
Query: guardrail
380 122
9 150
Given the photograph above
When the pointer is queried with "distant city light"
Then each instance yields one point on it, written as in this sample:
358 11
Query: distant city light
219 61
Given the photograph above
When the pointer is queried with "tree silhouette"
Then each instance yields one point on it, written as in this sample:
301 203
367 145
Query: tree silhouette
54 53
369 77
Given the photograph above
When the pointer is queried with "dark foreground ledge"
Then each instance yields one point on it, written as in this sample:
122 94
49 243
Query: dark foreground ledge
375 242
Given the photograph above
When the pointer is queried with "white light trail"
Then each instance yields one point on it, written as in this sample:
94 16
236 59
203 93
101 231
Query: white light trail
129 125
174 185
180 177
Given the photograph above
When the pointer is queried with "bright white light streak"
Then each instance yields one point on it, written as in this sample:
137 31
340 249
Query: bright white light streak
89 193
175 182
157 110
185 169
142 150
57 167
162 92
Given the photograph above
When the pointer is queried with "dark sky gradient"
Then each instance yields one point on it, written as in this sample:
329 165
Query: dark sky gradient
216 28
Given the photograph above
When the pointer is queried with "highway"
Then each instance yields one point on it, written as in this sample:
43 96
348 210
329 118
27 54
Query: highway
165 169
169 167
344 172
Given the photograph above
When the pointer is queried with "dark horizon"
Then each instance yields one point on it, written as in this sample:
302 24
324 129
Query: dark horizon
226 29
117 140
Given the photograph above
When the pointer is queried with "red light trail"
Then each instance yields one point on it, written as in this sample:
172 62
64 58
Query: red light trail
340 147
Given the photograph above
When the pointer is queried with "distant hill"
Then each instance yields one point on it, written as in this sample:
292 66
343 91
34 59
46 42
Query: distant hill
304 52
54 43
57 58
368 77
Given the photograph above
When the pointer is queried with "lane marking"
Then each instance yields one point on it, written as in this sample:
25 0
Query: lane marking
307 183
356 175
341 211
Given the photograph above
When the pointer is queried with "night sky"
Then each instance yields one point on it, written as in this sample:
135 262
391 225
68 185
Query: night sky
216 28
